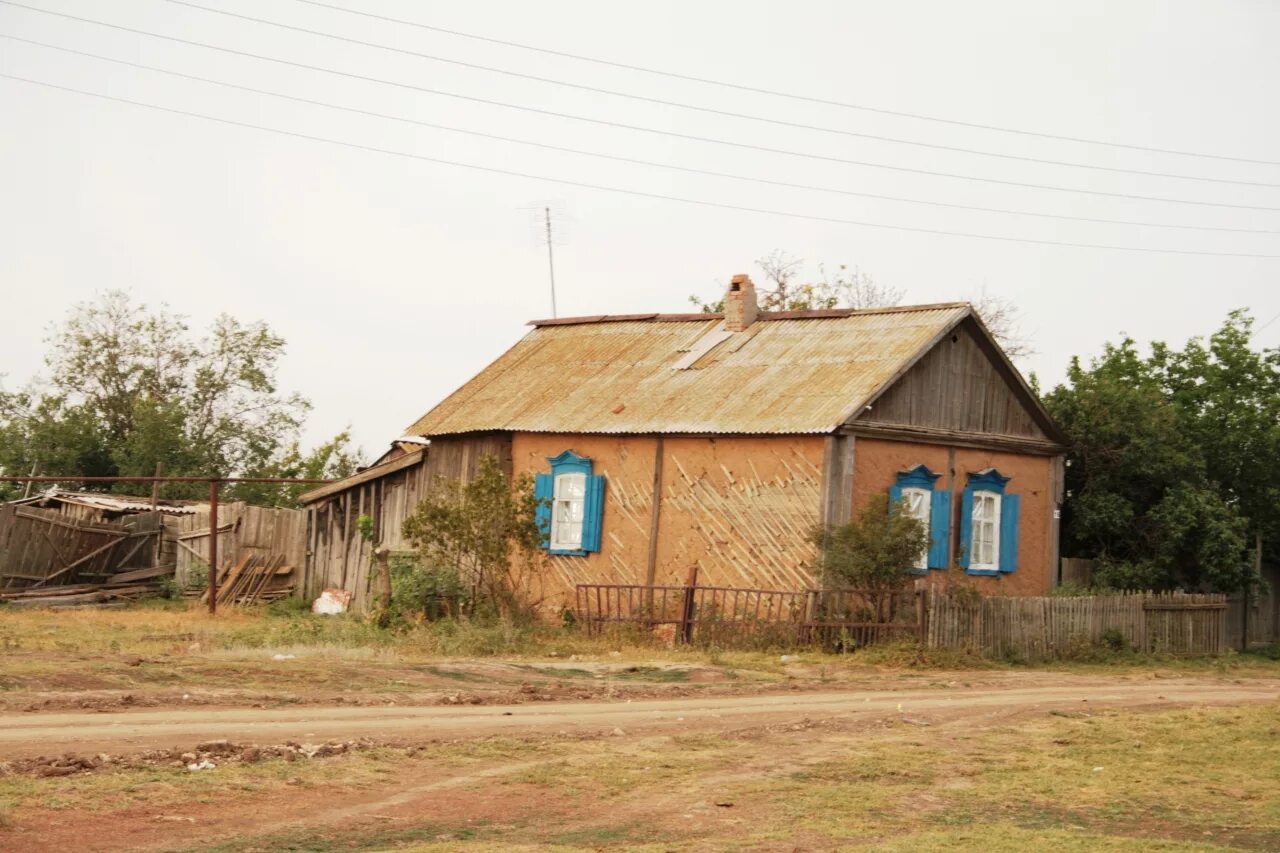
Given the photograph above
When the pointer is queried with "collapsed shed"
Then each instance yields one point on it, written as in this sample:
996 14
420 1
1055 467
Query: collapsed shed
88 544
71 547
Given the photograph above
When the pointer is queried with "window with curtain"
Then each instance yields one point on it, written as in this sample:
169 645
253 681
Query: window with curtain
567 511
986 531
989 525
570 505
913 489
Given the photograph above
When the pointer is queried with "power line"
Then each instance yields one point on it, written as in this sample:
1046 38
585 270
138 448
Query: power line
636 193
711 110
629 160
791 95
639 128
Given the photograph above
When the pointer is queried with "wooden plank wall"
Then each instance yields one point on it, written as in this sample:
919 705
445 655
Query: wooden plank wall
1077 571
337 556
1263 624
37 543
1051 628
957 386
245 530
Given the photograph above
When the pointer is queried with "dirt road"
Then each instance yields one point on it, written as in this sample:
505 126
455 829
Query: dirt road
25 735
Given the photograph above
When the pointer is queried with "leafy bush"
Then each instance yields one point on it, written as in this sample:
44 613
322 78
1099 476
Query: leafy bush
872 552
292 605
1114 639
486 533
425 589
198 576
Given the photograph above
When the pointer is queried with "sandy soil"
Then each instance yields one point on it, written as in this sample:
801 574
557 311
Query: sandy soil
783 725
30 734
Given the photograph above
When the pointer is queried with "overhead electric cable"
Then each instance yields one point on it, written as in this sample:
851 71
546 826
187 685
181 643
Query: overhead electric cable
636 193
712 110
640 128
674 75
1268 323
630 160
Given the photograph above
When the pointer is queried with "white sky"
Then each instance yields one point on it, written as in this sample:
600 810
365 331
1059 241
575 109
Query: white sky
394 280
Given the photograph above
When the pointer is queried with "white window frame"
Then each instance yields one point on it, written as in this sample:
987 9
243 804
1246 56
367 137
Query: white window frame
976 525
923 511
561 504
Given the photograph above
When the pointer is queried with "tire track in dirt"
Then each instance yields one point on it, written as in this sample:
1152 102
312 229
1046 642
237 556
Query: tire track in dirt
28 735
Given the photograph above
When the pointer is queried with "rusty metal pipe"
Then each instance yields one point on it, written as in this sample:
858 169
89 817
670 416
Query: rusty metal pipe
213 547
73 478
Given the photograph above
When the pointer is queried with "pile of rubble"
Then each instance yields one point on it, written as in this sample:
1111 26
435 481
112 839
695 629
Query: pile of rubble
206 756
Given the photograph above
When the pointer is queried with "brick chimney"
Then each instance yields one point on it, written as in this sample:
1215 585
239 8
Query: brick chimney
740 307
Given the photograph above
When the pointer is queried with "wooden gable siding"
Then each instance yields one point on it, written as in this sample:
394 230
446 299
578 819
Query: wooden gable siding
337 556
957 386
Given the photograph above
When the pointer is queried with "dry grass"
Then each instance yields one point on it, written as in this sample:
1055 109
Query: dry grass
1120 781
1183 780
173 653
1192 779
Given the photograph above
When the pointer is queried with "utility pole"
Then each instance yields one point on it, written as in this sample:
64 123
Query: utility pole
551 260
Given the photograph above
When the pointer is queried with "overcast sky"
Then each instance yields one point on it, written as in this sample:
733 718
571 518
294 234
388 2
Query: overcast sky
395 279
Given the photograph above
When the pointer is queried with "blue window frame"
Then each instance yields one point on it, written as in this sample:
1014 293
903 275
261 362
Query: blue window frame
570 505
989 525
915 486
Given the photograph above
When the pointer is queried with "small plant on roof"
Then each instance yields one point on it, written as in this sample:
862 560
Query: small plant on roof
872 552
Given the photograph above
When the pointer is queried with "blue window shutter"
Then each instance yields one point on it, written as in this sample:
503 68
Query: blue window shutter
966 526
1009 511
895 497
544 490
593 513
940 531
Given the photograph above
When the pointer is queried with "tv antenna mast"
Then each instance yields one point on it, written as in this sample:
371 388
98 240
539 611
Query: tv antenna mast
551 259
548 222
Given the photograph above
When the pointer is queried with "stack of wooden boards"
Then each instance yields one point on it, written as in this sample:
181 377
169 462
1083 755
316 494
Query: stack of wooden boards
121 586
254 578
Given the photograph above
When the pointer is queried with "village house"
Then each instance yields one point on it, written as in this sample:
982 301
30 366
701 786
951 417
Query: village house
666 440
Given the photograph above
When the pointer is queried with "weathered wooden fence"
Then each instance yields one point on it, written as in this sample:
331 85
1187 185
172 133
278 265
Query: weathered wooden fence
243 531
1254 619
1047 628
42 547
1033 628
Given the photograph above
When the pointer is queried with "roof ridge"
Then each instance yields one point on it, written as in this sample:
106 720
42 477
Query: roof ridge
806 314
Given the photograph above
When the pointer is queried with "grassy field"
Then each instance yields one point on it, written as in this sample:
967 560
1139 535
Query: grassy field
1205 779
174 653
1122 779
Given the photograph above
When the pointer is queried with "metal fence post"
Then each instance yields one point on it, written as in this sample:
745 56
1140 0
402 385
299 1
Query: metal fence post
213 547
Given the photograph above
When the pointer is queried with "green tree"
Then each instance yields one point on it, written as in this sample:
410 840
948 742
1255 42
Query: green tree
872 552
331 460
1170 458
485 532
1227 395
128 387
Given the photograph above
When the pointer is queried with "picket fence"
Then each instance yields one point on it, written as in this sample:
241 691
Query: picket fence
1031 628
1049 628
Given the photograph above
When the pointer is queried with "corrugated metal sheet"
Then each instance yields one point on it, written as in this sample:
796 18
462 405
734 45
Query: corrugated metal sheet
795 375
115 503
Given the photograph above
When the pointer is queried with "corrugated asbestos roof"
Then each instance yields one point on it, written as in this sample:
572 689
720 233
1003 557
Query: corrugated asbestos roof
797 372
116 503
